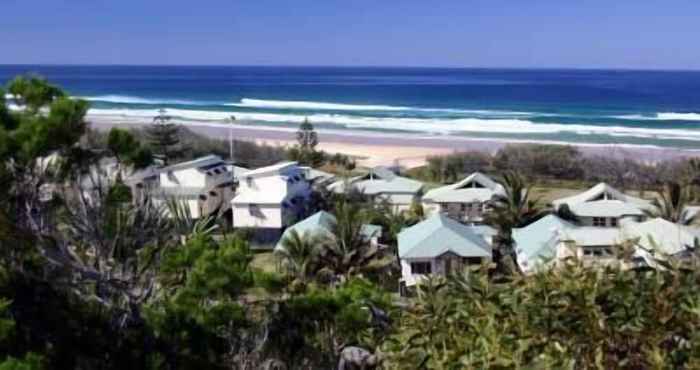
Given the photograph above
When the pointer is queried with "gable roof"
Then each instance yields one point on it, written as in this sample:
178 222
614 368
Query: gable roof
539 240
662 235
272 169
379 180
603 190
202 162
459 193
321 224
438 235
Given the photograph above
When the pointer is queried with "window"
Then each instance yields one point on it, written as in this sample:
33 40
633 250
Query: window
254 210
597 251
421 268
613 222
599 221
249 181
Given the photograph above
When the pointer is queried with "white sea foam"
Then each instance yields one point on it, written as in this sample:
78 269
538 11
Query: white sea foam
421 125
126 99
314 105
669 116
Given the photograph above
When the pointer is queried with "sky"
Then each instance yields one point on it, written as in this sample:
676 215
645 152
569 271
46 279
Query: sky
634 34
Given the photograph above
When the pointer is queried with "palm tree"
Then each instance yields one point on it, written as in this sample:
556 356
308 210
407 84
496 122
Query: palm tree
672 204
299 252
349 251
513 208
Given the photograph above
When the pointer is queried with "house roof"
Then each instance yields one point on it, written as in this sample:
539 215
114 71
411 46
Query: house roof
662 235
438 235
607 199
538 241
379 180
237 171
321 224
313 174
206 161
273 169
606 208
462 191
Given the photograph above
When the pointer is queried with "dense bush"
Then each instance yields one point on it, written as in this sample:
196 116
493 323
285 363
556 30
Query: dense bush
573 317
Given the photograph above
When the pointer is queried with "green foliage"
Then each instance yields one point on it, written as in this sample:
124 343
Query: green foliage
125 147
164 137
573 317
33 92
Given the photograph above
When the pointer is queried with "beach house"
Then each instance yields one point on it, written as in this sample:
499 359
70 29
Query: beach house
551 239
321 225
604 206
465 201
204 185
271 198
439 245
382 185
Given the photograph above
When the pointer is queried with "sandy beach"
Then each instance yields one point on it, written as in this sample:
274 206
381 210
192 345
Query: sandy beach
407 150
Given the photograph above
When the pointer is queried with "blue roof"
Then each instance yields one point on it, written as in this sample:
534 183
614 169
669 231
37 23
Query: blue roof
539 240
321 224
438 235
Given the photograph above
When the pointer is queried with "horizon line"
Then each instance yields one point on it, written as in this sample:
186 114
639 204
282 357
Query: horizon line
387 66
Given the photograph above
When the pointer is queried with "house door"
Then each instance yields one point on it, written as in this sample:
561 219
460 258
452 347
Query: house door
452 265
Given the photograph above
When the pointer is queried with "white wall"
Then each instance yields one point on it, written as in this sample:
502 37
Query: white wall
266 216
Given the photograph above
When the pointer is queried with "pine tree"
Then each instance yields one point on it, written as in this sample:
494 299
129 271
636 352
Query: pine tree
307 136
164 136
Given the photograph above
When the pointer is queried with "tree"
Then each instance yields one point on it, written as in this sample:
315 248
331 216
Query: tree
299 254
127 149
33 92
672 203
509 210
349 252
164 136
307 136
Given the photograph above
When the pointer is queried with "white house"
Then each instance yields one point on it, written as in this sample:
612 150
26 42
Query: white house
440 245
551 239
204 184
604 206
465 201
271 197
382 185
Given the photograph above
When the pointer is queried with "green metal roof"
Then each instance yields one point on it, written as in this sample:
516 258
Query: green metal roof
321 223
440 234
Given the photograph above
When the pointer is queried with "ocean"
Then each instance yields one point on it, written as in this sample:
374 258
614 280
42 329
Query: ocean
659 108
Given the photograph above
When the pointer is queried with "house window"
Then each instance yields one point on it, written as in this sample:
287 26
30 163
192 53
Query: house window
421 268
249 181
597 251
254 210
613 222
599 221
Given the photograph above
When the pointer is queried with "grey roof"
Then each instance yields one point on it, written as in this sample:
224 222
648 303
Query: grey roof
539 240
612 197
378 181
205 161
606 208
662 235
313 174
272 169
465 191
438 235
321 224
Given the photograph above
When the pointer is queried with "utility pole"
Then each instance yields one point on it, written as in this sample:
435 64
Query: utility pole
230 139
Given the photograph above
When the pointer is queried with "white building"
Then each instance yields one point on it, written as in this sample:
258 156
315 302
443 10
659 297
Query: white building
271 197
465 201
604 206
204 185
382 185
550 240
441 245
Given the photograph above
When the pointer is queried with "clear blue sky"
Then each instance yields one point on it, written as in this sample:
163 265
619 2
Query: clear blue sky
656 34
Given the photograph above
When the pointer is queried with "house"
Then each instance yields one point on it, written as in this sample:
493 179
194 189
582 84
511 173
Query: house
465 201
551 239
271 198
604 206
382 185
204 185
321 225
660 238
439 245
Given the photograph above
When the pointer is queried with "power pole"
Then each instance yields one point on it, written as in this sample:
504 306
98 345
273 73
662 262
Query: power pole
230 139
